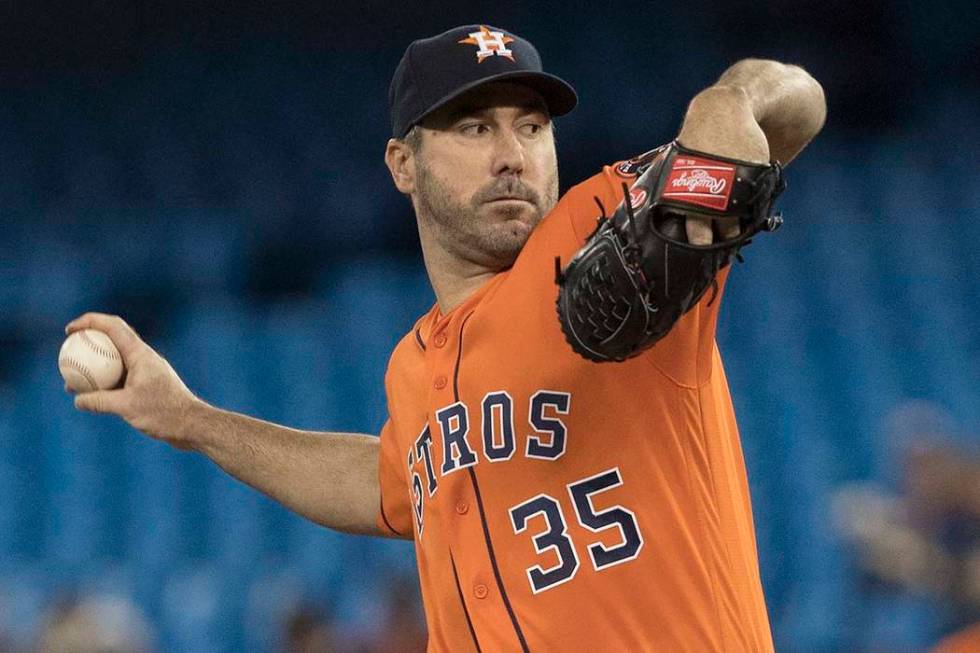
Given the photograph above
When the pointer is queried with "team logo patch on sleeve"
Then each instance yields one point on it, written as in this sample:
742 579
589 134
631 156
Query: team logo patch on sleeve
627 169
700 181
635 166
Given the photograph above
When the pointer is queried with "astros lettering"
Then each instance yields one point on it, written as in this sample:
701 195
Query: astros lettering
495 444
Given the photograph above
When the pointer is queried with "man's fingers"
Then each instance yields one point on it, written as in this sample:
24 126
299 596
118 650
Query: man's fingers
101 401
122 335
698 231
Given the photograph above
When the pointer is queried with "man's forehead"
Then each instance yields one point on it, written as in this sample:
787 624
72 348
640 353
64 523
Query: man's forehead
493 95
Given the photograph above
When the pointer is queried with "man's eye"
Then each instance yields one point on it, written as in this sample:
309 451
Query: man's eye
474 129
531 129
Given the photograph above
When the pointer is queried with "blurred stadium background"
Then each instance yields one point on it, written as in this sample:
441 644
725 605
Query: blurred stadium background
214 174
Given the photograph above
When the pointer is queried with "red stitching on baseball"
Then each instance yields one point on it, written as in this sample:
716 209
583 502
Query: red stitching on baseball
96 347
75 365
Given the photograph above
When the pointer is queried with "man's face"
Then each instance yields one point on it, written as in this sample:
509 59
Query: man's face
486 173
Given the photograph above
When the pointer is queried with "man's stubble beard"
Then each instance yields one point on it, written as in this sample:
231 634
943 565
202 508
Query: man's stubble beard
460 228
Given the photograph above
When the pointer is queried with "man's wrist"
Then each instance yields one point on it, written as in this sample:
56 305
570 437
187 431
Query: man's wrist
193 431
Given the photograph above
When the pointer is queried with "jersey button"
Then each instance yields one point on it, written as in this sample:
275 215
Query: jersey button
480 591
439 340
462 508
440 382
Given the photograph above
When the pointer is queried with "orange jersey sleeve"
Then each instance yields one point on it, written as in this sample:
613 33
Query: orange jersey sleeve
964 641
394 516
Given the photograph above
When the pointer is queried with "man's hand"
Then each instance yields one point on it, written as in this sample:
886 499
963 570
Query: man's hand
153 399
758 110
720 121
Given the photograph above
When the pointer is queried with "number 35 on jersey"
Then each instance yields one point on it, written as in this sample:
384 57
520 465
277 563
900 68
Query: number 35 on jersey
541 517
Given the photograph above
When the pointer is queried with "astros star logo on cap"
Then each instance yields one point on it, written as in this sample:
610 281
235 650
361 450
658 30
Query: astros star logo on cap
490 43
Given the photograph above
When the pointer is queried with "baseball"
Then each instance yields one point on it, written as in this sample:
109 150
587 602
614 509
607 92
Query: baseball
89 361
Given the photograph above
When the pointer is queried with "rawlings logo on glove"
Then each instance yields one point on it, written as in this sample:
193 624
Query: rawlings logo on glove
700 181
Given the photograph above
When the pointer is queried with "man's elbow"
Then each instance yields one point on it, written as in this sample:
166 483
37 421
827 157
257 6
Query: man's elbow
812 102
781 92
788 102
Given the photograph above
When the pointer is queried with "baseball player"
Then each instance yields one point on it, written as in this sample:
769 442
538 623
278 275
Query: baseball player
561 444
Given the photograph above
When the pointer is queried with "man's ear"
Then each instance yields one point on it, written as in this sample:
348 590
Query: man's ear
400 160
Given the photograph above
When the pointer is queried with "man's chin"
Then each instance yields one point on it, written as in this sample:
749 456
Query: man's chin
520 228
517 232
510 240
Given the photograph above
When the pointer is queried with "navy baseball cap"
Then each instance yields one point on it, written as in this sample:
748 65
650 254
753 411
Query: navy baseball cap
435 70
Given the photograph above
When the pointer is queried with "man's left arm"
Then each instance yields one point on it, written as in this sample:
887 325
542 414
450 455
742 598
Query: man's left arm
648 264
758 110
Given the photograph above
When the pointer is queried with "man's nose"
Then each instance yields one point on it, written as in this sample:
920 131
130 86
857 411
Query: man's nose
509 153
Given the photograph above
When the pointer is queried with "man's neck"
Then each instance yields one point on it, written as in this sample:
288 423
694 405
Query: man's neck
453 279
453 285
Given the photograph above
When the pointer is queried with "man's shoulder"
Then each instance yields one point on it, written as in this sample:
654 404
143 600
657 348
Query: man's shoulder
600 194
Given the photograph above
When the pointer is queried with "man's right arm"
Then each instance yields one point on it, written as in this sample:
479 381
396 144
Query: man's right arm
329 478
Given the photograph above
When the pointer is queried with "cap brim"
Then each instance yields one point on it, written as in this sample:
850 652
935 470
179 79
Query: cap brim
558 95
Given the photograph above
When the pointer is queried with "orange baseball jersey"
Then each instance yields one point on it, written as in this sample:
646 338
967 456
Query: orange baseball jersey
563 505
963 641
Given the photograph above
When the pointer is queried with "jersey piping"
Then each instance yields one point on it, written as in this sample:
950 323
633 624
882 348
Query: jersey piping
483 516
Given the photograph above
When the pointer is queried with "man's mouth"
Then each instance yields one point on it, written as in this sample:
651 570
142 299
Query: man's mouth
511 199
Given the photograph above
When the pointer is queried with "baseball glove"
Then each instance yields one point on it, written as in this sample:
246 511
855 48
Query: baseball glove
637 274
